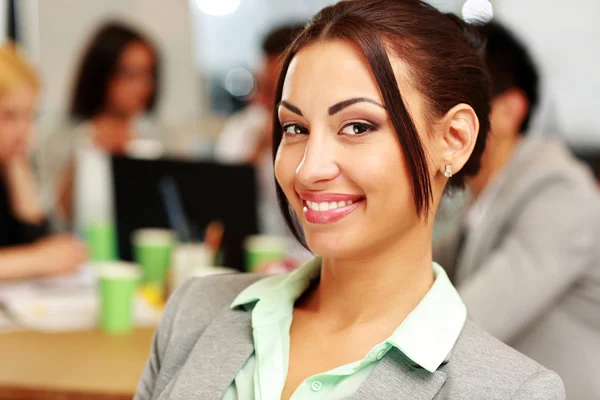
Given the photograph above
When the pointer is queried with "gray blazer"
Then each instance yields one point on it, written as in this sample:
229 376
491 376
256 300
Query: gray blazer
529 272
201 344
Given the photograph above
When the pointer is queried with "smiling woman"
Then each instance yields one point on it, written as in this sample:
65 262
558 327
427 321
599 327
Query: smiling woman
381 104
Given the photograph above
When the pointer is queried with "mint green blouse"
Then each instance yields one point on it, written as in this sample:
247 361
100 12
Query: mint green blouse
426 336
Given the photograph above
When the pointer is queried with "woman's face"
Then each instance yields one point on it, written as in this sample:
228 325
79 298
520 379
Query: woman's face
17 110
340 163
132 86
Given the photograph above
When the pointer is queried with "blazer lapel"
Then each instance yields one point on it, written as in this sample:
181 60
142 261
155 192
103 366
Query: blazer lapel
220 353
479 241
395 378
482 239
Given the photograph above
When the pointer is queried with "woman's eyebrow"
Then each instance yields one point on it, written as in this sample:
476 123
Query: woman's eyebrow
290 107
334 108
347 103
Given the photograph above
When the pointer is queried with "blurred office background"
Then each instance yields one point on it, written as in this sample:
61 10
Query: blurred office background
211 54
212 48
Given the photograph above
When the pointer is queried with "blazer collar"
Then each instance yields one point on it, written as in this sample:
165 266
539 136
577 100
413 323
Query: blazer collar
208 356
396 377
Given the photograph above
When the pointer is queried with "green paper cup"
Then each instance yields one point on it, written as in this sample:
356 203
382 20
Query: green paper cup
152 252
101 238
118 283
262 250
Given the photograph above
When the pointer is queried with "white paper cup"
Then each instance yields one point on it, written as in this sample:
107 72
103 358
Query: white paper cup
212 270
186 259
153 237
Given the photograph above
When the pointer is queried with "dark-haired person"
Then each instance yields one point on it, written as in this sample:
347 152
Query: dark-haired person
27 250
246 136
243 136
528 267
381 105
115 86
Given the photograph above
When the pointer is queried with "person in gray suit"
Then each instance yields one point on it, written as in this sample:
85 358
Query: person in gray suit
380 105
526 257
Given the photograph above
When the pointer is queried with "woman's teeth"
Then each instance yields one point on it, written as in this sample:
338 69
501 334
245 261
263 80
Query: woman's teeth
327 206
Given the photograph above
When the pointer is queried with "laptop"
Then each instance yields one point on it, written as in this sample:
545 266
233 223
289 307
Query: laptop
167 192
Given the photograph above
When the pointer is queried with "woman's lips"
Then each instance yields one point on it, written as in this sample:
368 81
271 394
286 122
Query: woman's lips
325 208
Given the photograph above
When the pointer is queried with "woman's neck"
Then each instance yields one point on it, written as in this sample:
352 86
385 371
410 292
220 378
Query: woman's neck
112 132
382 284
113 120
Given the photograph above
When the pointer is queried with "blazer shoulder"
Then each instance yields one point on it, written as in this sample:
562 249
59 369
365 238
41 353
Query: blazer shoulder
549 161
189 312
198 301
494 370
209 295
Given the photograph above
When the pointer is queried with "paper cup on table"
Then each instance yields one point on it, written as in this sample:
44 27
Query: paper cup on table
152 250
101 238
186 259
118 282
262 250
207 270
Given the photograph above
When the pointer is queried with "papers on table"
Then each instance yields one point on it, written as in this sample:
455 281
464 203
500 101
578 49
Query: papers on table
65 303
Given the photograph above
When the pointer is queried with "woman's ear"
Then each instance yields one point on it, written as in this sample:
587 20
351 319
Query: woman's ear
457 140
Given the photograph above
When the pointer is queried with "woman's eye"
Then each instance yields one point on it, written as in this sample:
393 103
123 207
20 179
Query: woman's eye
355 129
294 129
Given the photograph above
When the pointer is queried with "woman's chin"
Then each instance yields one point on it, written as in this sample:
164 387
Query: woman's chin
330 244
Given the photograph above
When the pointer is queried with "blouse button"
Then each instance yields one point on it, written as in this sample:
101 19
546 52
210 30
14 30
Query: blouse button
316 386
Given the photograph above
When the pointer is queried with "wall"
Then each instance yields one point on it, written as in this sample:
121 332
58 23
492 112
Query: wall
3 19
57 30
564 38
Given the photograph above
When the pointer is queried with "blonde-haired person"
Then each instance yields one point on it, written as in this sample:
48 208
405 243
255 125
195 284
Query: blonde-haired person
25 249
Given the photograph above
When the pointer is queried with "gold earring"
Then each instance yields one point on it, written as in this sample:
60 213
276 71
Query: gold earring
448 171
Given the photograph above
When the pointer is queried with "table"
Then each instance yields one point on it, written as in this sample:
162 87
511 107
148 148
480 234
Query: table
74 365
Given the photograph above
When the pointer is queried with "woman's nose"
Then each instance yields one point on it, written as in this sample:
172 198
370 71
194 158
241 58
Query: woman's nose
318 163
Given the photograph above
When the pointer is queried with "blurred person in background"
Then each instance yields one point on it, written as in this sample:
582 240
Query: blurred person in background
247 133
526 258
25 249
115 87
246 136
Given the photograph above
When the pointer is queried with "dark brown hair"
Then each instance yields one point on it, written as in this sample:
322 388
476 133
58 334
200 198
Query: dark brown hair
445 59
98 66
510 66
276 42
